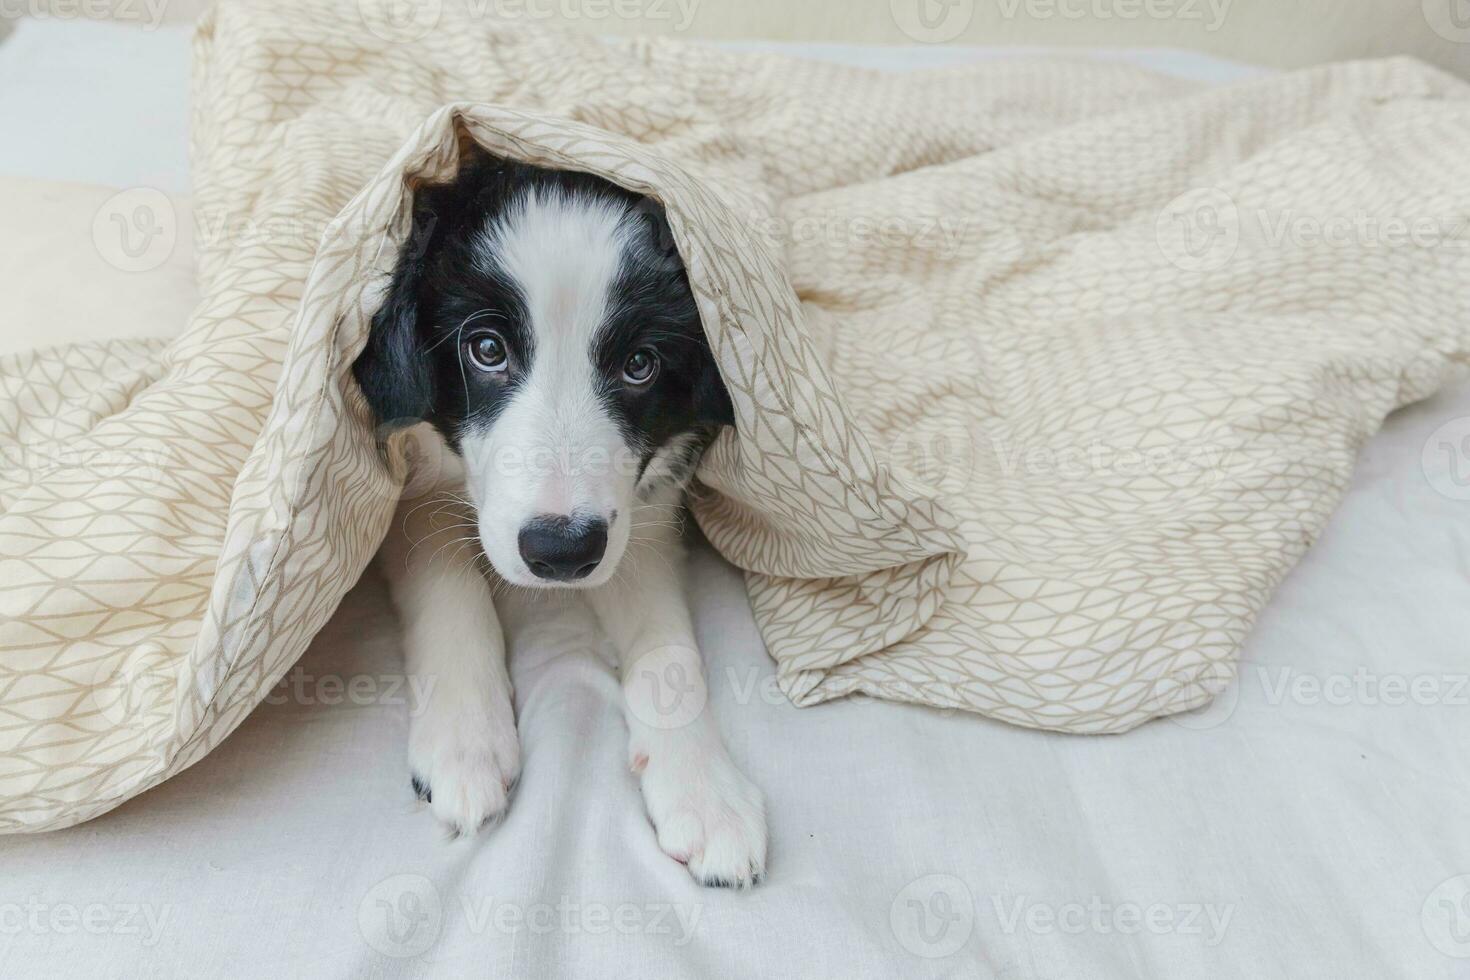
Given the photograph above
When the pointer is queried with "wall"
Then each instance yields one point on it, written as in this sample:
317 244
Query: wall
1284 33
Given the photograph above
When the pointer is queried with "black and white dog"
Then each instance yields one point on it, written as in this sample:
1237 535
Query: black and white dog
541 323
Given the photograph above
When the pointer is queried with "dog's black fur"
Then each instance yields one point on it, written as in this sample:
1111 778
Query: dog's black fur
443 296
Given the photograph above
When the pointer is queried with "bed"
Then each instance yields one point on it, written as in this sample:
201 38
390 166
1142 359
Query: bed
1309 823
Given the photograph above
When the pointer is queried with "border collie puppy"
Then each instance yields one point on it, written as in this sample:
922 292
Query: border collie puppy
543 326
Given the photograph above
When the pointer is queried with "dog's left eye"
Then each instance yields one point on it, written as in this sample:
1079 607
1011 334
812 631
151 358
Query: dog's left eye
487 351
640 367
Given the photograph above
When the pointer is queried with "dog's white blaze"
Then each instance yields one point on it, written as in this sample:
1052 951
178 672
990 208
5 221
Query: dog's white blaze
554 449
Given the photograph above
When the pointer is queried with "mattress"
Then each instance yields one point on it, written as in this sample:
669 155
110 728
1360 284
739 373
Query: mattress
1310 823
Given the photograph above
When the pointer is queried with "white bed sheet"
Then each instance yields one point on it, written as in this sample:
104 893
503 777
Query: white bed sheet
1306 826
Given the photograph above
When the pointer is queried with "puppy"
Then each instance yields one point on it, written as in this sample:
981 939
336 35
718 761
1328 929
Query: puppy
543 326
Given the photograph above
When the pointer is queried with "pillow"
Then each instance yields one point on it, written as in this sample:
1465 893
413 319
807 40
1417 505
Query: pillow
99 263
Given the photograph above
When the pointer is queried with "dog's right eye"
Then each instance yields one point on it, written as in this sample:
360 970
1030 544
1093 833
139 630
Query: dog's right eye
487 352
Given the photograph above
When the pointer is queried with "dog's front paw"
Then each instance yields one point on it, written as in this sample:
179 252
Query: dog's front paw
707 814
464 767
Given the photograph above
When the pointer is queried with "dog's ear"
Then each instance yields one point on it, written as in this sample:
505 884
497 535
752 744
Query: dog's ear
711 397
394 376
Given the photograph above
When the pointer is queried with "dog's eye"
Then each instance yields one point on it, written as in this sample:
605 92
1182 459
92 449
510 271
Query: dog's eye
487 351
640 367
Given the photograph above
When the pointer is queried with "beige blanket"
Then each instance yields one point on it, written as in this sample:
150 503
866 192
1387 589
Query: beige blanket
1045 373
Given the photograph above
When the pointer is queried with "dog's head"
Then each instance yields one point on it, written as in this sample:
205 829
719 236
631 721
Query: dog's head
543 323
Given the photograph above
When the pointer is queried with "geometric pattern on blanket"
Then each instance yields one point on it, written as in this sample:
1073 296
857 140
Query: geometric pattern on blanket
1042 378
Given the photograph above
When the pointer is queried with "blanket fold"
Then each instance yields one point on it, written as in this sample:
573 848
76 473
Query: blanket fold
1044 373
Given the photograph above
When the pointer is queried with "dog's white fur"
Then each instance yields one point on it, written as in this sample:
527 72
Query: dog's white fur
555 450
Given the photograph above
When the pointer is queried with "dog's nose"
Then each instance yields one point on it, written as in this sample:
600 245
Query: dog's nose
562 550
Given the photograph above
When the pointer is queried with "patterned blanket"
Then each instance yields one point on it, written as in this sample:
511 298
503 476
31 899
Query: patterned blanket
1045 372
